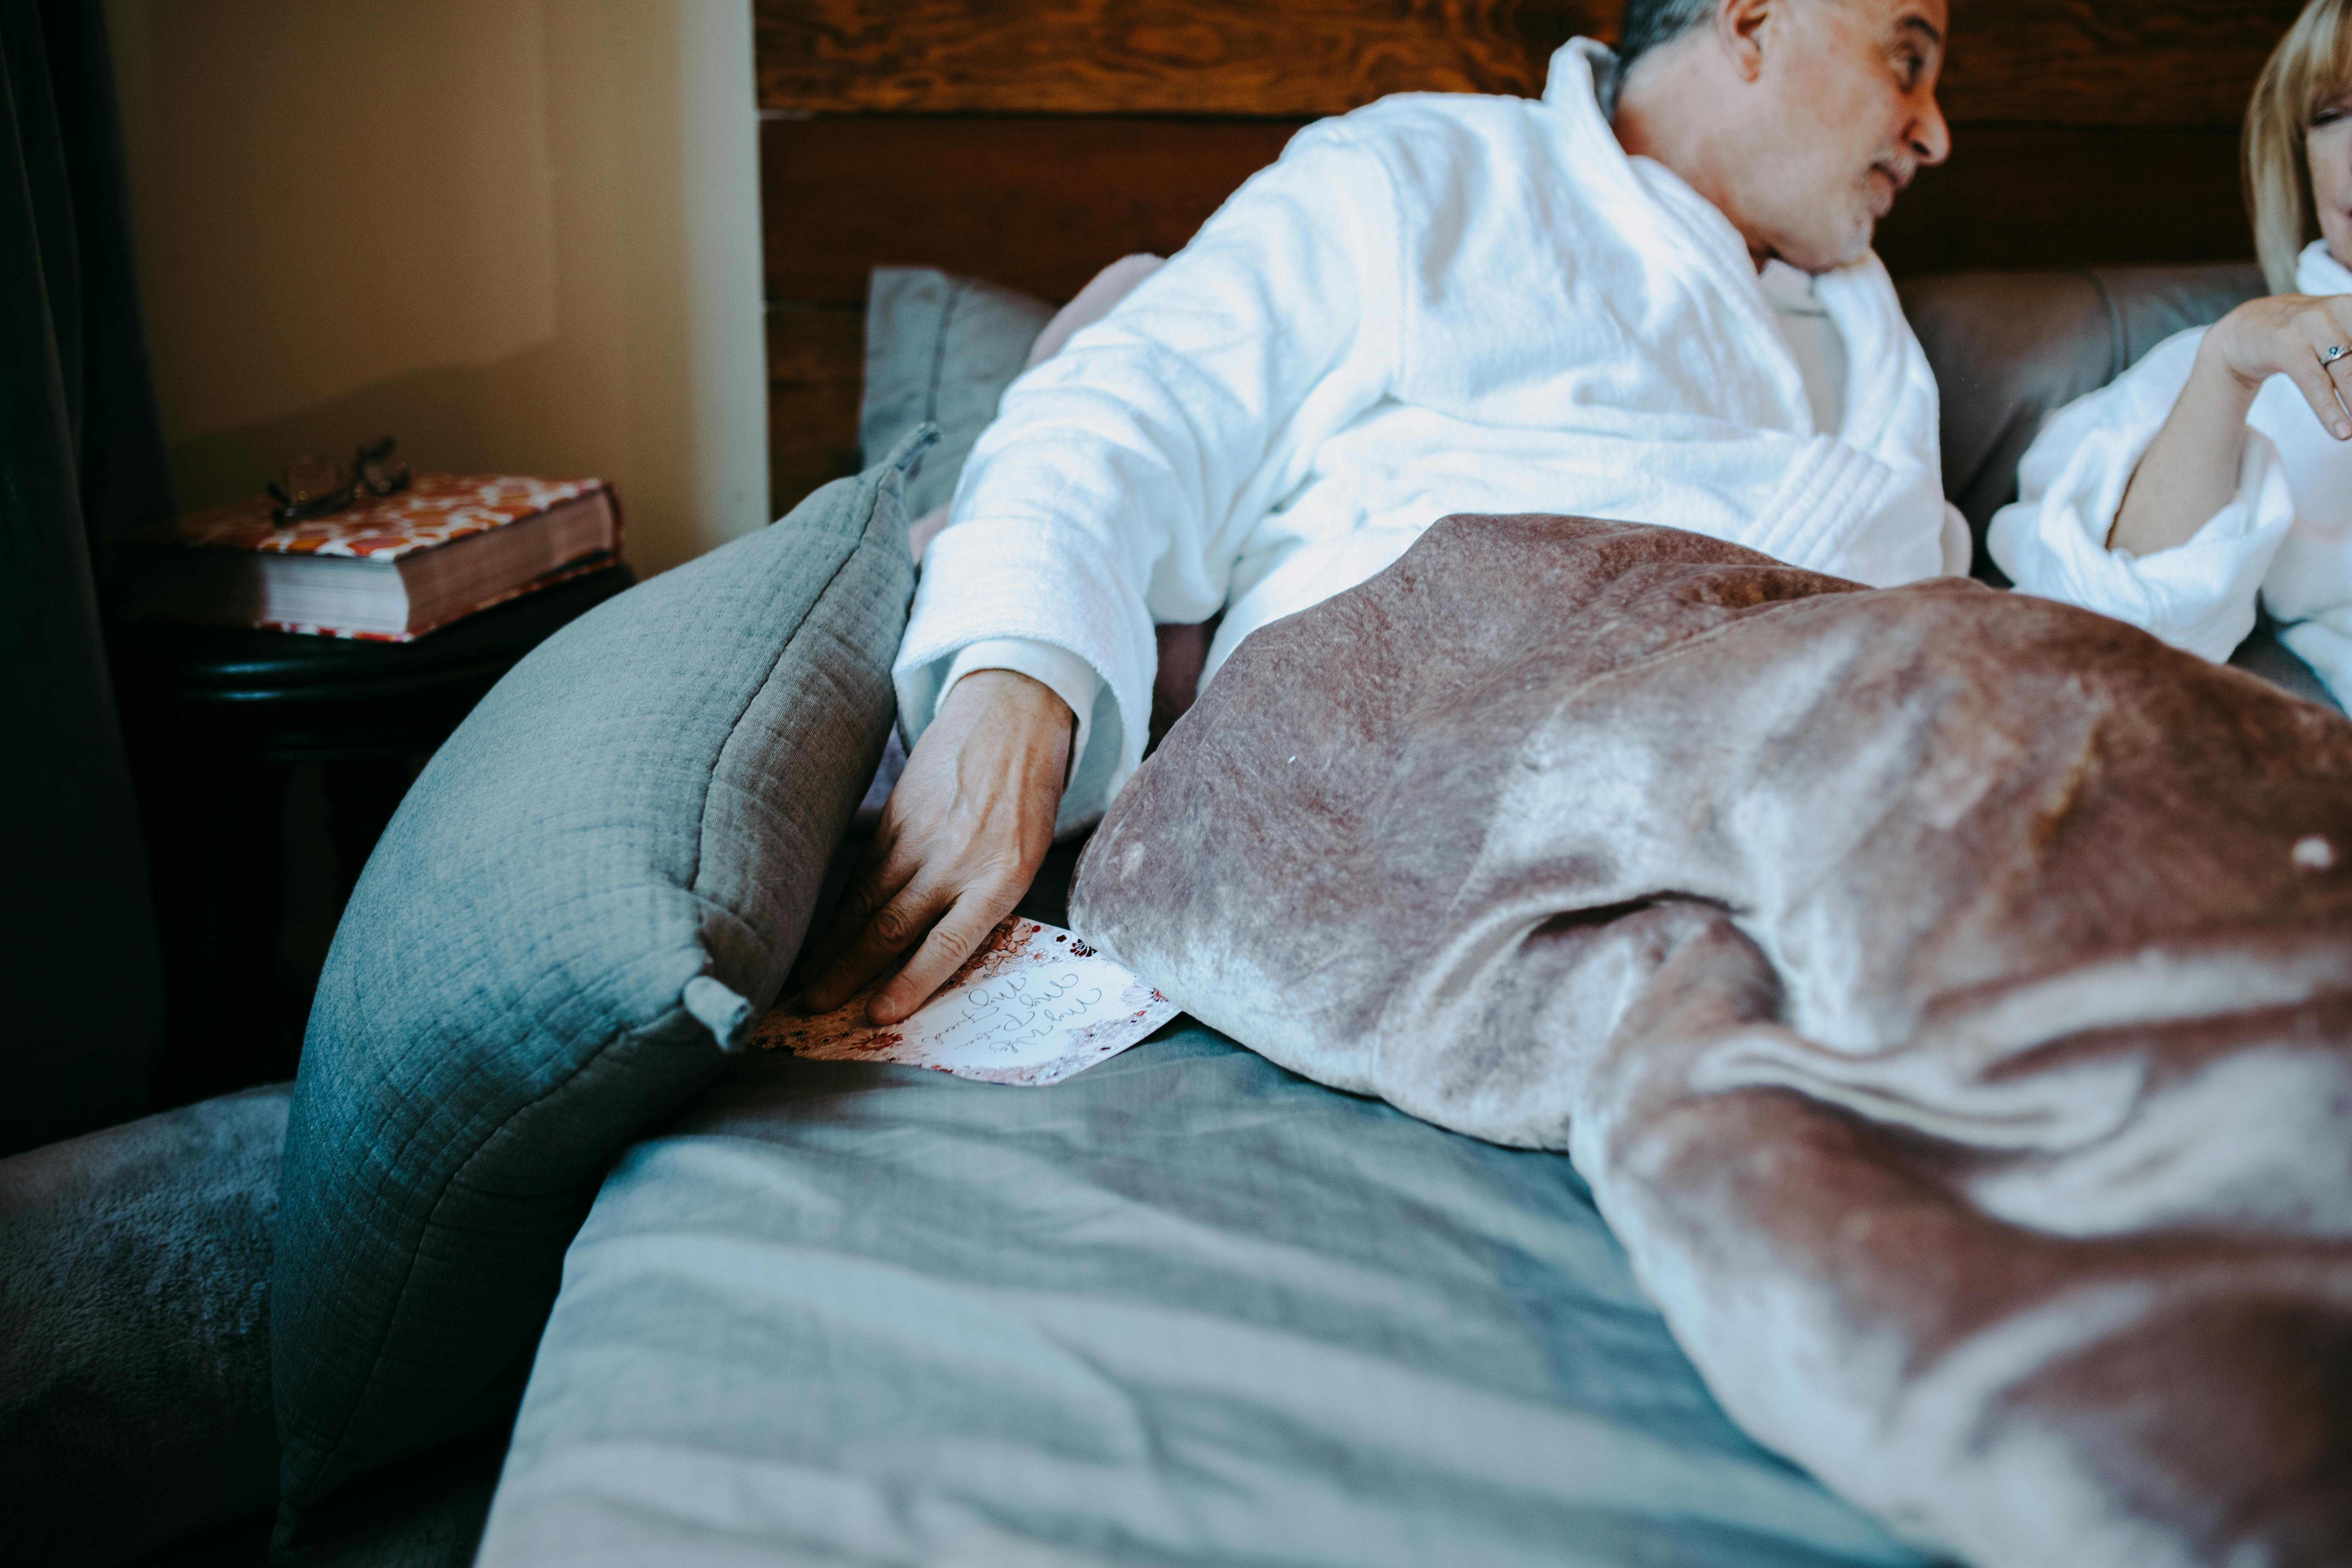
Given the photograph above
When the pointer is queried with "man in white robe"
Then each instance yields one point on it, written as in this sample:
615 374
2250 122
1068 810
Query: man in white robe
1439 303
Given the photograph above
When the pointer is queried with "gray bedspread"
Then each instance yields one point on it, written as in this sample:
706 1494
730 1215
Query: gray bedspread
1947 994
1185 1308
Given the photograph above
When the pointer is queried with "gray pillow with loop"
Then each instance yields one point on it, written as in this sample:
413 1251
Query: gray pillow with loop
599 881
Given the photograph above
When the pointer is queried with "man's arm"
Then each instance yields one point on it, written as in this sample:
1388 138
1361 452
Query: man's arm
1123 475
1134 460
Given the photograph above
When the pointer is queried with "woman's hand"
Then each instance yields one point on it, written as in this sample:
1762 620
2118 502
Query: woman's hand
2290 335
959 843
2190 471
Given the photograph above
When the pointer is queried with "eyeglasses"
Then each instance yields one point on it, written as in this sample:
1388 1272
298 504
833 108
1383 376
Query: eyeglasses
315 487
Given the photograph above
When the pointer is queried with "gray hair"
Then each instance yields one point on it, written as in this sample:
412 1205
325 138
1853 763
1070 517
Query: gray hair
1650 23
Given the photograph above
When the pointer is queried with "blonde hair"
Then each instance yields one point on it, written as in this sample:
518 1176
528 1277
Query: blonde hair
2312 65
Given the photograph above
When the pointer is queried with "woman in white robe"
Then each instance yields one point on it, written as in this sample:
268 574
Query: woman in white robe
2218 470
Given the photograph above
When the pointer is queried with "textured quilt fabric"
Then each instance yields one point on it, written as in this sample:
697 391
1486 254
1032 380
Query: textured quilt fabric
1182 1309
940 349
1947 994
599 879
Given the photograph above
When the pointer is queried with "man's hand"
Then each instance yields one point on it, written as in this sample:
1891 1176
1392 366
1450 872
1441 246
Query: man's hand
959 841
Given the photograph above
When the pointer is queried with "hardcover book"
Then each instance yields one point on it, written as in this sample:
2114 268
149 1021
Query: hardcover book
385 570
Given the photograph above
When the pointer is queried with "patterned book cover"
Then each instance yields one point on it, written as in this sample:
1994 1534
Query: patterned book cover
436 509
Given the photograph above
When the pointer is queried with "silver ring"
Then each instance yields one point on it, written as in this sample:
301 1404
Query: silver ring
2333 353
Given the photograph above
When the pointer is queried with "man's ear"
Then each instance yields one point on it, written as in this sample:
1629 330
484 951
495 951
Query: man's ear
1739 26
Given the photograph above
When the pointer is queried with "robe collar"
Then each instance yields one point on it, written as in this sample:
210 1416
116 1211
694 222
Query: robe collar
2316 271
1691 233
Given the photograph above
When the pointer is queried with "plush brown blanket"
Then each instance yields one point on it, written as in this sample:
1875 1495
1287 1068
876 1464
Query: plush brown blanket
1947 994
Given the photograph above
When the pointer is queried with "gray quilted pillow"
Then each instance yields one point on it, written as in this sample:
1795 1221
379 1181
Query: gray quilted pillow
599 881
941 349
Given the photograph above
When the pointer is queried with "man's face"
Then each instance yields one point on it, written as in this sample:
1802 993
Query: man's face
1848 115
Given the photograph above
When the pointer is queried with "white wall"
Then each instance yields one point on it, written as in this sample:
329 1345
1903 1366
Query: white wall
521 236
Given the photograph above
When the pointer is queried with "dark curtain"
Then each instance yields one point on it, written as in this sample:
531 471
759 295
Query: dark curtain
81 459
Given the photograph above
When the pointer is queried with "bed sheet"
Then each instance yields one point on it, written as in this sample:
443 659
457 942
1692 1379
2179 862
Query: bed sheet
1185 1308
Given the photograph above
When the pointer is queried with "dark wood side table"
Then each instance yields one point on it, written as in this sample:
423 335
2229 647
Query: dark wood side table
216 720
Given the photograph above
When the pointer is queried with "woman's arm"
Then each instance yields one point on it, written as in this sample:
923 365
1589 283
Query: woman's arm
2189 471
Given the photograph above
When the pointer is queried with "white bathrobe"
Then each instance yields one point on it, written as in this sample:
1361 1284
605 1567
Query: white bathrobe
2286 534
1439 303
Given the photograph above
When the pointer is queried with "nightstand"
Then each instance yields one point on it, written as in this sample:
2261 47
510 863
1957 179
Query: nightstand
216 720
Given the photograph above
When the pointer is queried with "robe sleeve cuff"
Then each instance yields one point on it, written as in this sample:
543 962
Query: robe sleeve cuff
1058 669
1047 584
2199 595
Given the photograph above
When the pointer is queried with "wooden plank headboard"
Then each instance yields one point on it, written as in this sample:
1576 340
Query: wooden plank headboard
1032 142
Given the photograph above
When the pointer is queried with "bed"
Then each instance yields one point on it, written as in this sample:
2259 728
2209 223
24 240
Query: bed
1187 1307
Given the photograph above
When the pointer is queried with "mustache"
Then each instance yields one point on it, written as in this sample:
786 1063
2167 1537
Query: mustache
1898 168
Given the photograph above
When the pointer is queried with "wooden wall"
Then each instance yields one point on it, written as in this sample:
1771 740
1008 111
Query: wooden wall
1031 142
